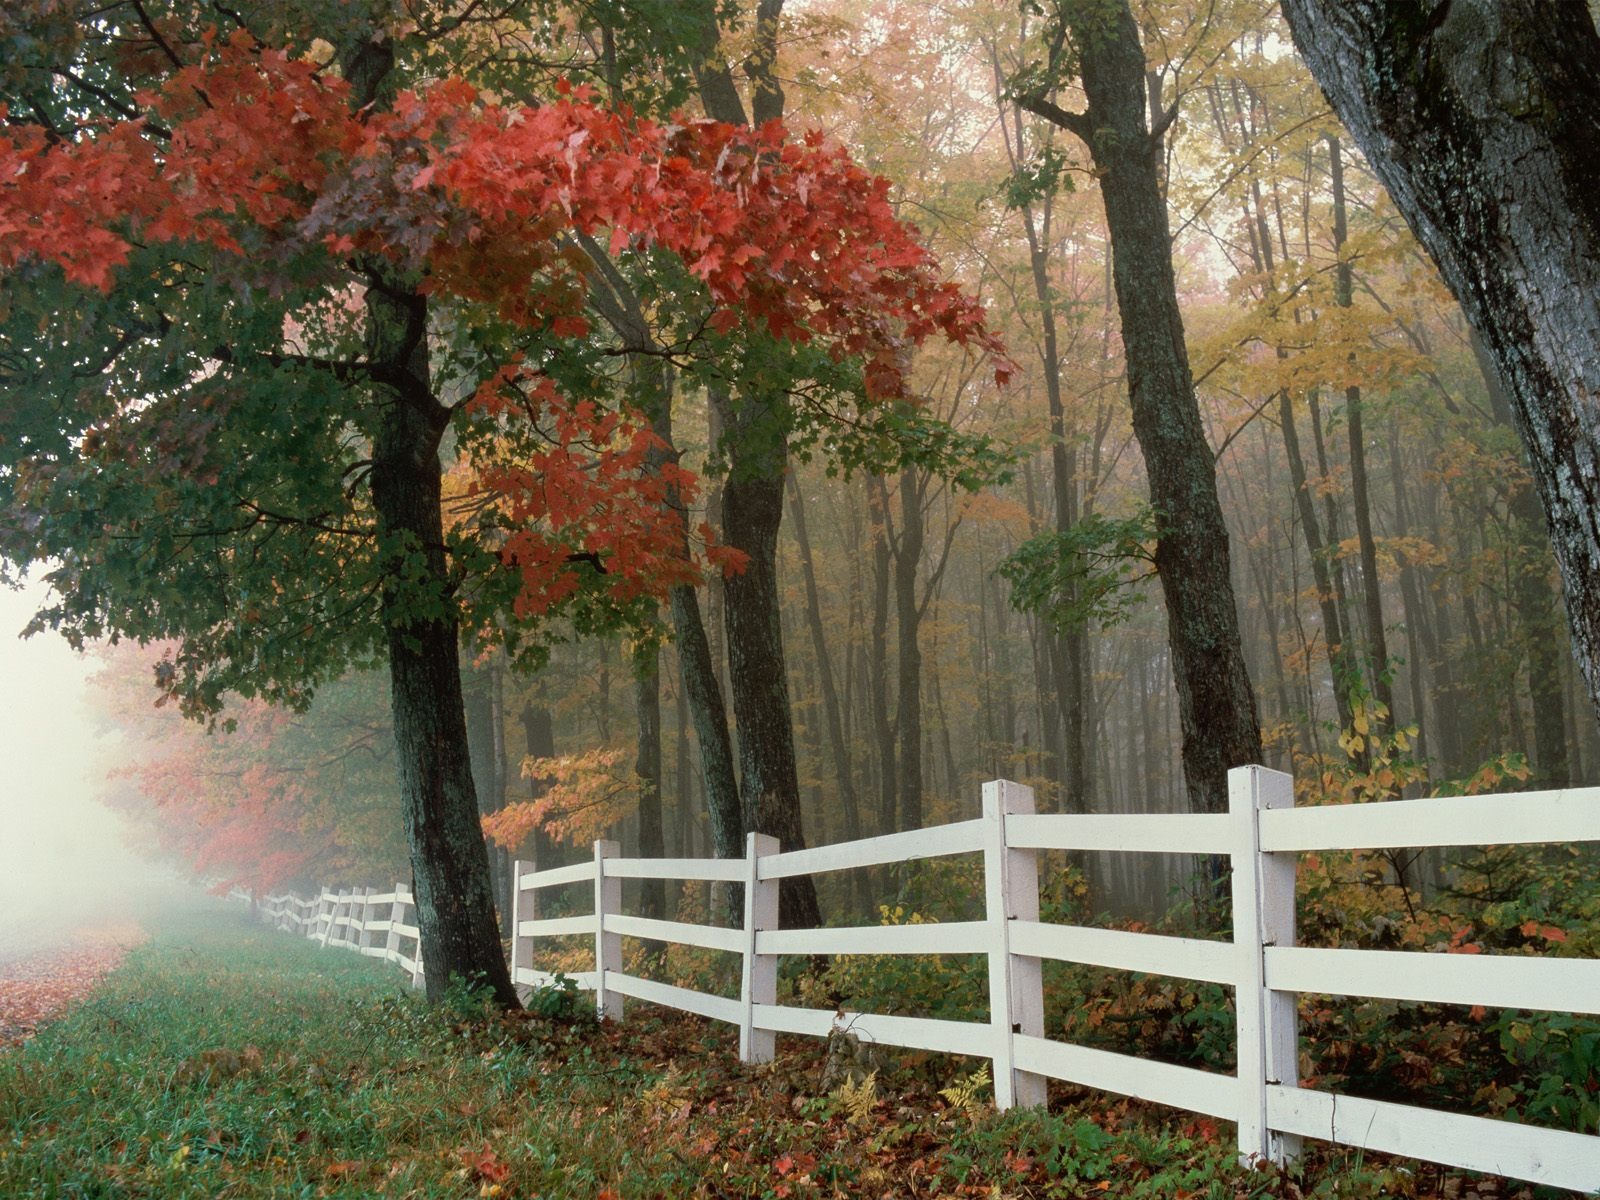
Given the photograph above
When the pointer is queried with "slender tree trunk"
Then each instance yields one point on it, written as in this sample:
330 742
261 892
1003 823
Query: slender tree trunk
647 769
752 511
1482 118
878 657
1371 585
849 803
908 618
769 782
1217 708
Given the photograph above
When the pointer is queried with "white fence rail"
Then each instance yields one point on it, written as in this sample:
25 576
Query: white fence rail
1262 833
371 922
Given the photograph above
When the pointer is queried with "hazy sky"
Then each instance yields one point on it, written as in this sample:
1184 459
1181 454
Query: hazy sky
63 857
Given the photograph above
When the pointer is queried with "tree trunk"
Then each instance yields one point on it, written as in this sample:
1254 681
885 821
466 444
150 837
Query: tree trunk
450 868
752 509
1482 118
908 720
878 657
831 712
647 769
1217 708
1371 587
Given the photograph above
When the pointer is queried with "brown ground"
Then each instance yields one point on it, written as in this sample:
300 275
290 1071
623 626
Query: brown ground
38 987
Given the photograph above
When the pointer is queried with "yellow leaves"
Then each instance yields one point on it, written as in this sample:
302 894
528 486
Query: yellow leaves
857 1100
965 1094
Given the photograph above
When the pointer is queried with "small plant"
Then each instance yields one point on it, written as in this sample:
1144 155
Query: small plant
965 1095
856 1100
559 1000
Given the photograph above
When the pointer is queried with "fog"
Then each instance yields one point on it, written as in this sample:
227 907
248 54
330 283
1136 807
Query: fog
65 861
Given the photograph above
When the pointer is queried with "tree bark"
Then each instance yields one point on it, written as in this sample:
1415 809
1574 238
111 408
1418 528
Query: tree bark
1482 118
1217 708
450 867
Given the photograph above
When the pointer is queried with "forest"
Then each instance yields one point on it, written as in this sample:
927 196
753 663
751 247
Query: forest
465 431
956 586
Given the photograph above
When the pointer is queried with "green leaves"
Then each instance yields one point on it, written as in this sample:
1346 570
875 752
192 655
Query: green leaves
1085 574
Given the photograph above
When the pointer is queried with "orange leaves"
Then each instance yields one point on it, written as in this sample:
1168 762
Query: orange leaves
484 1166
583 794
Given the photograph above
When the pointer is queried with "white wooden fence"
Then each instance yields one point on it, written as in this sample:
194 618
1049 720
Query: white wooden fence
1261 834
362 919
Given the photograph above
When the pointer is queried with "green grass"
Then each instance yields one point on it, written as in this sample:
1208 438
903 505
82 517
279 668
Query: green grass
226 1060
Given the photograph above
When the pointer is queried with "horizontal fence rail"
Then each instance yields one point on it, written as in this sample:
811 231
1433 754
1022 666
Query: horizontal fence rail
1261 835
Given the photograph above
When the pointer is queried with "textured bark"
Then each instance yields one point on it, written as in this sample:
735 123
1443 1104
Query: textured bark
752 510
878 658
450 868
1482 118
1217 708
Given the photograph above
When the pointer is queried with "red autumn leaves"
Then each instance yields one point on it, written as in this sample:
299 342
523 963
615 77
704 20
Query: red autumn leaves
262 157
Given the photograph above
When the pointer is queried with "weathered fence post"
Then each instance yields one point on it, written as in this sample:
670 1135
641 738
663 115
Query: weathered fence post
363 934
391 943
1016 982
521 947
607 946
759 980
1263 915
329 901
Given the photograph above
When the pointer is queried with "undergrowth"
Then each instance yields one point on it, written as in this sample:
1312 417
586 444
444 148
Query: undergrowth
227 1060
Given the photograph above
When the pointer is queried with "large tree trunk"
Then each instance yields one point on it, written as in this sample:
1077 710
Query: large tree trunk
1482 118
1217 708
768 779
449 865
450 868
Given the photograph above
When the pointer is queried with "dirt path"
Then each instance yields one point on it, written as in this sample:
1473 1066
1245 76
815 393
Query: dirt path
37 988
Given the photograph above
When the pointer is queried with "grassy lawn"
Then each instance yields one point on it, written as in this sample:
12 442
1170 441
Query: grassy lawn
227 1060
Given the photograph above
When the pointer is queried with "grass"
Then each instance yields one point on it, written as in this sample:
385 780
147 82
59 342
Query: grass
226 1060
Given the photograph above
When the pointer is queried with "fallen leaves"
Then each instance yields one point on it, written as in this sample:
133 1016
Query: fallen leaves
38 988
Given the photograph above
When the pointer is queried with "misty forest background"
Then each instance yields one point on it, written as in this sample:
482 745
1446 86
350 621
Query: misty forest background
1396 591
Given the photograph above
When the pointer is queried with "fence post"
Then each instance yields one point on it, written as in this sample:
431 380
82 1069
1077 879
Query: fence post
419 969
391 943
1263 915
759 982
363 937
521 947
330 901
607 946
1016 983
